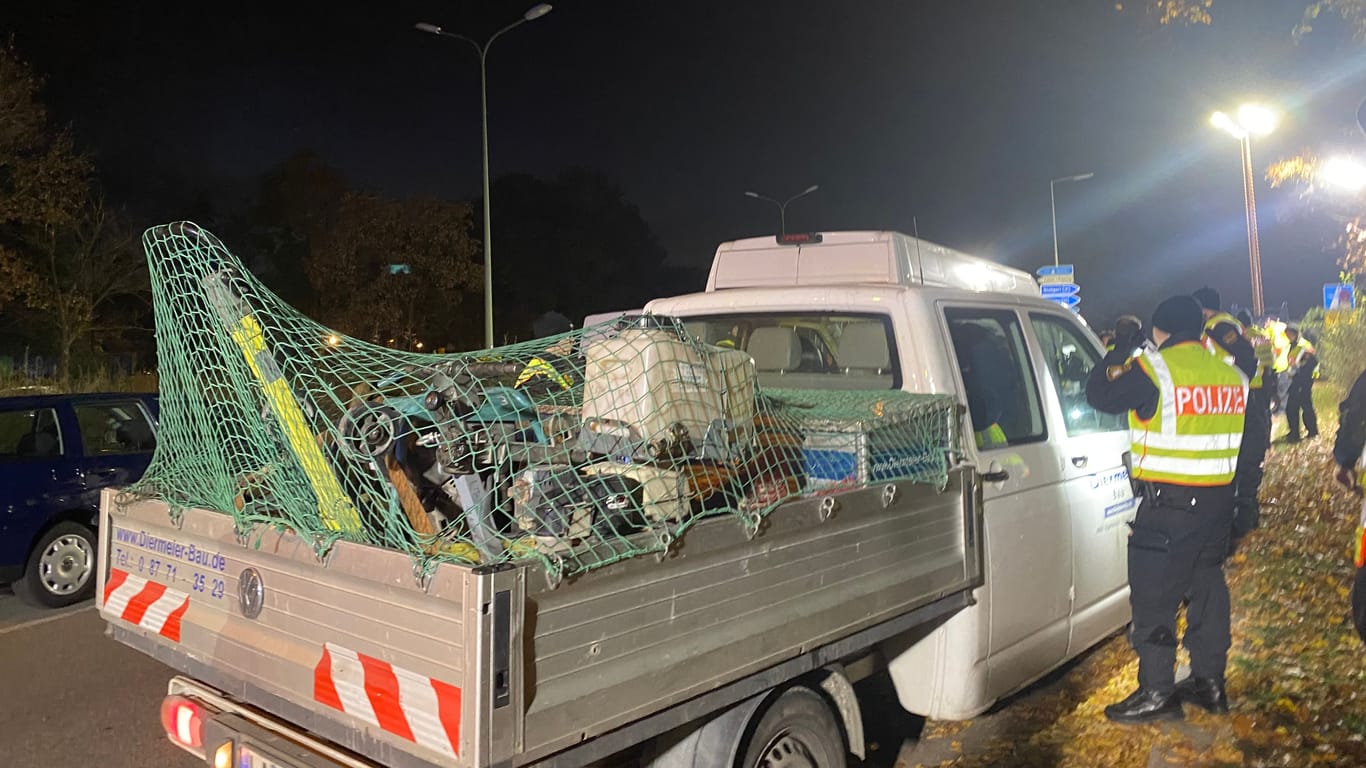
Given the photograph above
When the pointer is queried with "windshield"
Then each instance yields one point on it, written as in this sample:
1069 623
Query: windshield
808 350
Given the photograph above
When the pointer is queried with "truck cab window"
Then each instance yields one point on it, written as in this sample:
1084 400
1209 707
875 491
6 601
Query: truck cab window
1069 356
808 350
998 382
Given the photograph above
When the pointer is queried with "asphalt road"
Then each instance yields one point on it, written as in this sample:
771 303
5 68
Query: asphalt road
71 696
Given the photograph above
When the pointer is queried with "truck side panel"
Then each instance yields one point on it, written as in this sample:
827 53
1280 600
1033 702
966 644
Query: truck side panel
634 638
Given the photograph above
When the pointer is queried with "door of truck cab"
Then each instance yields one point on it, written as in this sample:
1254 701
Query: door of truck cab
1028 529
1099 496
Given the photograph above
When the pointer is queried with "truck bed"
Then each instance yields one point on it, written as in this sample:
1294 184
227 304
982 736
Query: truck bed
477 666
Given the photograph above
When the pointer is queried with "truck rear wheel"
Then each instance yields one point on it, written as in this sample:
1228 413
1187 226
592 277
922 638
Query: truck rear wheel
797 730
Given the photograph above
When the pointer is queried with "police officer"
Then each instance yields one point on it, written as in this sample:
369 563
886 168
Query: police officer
1299 397
1228 338
1185 411
1349 460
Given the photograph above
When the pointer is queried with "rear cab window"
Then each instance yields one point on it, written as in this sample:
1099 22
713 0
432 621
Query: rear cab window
796 350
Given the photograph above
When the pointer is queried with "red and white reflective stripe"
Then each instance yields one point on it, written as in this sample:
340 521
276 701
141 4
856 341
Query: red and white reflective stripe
148 604
406 704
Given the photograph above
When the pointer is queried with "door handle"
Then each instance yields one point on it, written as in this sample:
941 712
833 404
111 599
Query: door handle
998 476
1080 461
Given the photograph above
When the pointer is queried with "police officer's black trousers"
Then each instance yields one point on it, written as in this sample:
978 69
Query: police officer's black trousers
1251 455
1300 399
1180 537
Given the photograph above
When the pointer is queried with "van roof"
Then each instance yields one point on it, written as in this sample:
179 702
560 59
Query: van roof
858 258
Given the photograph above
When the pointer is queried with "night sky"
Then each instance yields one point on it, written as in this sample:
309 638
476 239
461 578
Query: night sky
954 113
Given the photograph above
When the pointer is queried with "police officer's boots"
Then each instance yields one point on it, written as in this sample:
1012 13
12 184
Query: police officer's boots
1205 693
1146 705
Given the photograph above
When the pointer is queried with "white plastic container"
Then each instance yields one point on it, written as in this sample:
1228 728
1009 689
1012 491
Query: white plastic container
651 395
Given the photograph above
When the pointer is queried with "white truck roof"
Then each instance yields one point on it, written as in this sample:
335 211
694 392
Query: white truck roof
858 258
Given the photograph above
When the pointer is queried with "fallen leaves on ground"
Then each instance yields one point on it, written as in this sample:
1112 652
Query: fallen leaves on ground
1296 674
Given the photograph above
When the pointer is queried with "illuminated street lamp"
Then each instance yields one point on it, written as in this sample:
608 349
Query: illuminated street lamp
1053 200
782 206
1344 173
533 13
1250 120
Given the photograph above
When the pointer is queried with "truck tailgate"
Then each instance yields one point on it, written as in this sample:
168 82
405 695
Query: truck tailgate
356 652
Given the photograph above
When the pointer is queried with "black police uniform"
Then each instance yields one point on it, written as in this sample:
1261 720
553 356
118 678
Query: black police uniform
1176 550
1347 450
1247 478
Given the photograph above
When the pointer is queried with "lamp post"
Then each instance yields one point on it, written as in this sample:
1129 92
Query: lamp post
1250 120
782 206
533 13
1053 201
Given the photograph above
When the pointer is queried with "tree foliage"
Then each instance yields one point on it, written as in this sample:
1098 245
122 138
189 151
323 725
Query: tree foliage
396 272
329 248
571 244
43 179
68 264
1350 12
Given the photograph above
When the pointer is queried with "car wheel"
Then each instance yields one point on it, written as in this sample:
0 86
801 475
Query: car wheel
61 568
797 730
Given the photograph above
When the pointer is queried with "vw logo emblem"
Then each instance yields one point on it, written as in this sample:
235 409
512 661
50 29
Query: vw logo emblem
251 594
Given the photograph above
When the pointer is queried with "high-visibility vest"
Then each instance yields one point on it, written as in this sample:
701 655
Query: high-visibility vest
542 367
1216 345
1193 437
1280 344
1262 347
991 437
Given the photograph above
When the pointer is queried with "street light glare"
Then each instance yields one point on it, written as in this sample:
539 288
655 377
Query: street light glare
751 194
811 189
430 29
1257 119
537 11
1225 123
1344 173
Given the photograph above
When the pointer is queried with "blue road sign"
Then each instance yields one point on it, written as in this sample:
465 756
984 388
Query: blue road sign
1339 296
1050 290
1066 301
1055 269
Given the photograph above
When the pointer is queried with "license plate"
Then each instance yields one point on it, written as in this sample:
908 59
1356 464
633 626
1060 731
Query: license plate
250 758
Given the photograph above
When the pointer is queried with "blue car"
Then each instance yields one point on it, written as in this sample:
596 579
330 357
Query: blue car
56 453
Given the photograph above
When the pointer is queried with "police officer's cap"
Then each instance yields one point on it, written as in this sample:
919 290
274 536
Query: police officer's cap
1292 328
1179 315
1208 298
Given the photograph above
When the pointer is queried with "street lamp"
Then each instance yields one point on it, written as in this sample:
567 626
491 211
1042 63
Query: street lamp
533 13
1345 173
782 206
1250 120
1053 201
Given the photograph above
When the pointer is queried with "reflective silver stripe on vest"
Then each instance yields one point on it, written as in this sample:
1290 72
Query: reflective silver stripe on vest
1168 442
1166 392
1185 466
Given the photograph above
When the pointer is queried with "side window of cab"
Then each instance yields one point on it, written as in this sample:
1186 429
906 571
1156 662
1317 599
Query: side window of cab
1069 356
998 379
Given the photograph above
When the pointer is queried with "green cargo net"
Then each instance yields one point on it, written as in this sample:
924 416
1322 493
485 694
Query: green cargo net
577 450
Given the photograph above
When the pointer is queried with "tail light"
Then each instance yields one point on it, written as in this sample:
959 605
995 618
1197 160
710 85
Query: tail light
183 720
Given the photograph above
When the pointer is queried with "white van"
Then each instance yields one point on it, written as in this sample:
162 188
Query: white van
882 310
